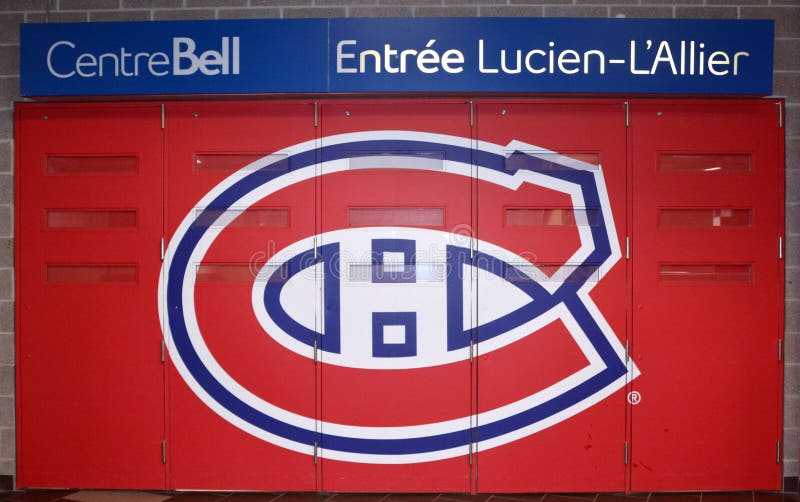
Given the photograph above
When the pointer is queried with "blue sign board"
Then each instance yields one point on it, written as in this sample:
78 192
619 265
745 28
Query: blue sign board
182 57
525 55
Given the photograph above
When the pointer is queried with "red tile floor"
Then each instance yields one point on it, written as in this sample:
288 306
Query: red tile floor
127 496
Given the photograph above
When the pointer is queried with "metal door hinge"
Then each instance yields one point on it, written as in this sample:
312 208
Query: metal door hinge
471 113
626 453
780 114
627 114
627 351
315 352
163 351
164 451
777 452
316 113
471 345
162 249
470 453
315 452
627 248
780 349
162 116
780 247
315 248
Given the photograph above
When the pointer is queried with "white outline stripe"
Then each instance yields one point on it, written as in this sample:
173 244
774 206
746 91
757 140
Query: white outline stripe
408 431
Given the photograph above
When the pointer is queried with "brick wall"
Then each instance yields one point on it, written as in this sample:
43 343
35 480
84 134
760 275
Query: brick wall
786 14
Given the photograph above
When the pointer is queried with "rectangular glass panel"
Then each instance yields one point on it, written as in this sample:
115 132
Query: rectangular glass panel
722 163
589 158
685 272
431 161
705 218
91 273
230 162
92 165
551 272
543 161
253 217
91 219
396 216
227 272
419 272
547 217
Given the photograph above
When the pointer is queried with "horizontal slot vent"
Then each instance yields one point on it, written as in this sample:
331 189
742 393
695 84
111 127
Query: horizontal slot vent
87 274
715 273
397 272
552 273
589 158
231 162
91 219
705 218
396 216
437 272
226 273
429 161
708 163
551 217
542 161
249 218
92 165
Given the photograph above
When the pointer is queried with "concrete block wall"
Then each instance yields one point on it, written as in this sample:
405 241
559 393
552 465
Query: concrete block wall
786 14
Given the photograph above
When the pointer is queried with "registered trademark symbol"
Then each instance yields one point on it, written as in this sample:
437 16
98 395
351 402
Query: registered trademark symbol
634 397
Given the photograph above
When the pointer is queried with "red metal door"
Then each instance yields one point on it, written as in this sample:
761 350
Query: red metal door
234 392
708 312
551 320
90 383
396 198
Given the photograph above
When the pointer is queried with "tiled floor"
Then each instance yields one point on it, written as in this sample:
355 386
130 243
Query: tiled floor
128 496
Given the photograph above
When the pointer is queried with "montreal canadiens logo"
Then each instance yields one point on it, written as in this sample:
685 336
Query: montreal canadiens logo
398 298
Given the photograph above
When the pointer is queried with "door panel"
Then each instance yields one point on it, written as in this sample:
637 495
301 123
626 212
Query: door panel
90 392
225 413
391 203
555 202
707 295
